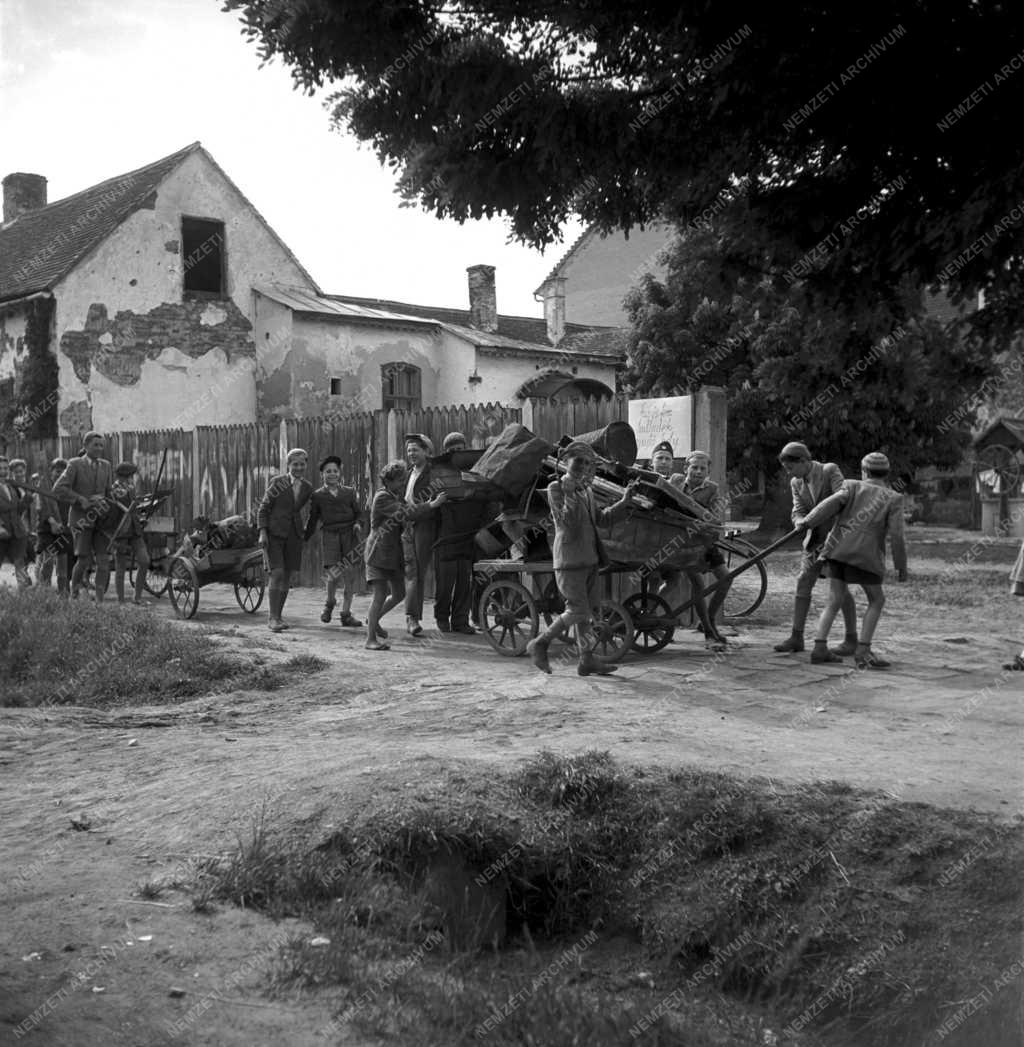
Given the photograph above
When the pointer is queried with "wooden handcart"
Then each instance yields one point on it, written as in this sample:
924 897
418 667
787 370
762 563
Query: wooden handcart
241 568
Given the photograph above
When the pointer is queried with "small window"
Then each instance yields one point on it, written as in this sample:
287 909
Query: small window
335 387
203 254
400 387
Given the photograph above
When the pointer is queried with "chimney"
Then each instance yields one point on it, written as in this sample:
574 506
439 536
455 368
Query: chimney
483 302
22 193
554 308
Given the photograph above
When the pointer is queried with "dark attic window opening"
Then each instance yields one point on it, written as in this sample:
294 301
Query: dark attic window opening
335 387
203 257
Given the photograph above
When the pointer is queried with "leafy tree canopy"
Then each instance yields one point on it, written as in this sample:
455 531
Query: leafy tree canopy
865 374
872 140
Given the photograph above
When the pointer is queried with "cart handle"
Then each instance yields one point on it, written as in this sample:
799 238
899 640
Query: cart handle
757 558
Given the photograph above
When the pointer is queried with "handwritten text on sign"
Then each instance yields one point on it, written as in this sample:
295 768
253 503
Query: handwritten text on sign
666 418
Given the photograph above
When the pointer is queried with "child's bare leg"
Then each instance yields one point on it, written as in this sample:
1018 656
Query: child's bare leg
377 602
864 657
396 597
332 584
837 593
349 579
700 605
721 592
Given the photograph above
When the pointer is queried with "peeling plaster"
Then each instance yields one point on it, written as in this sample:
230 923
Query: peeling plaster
118 348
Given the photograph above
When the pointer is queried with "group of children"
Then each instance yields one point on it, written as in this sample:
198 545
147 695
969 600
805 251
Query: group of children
42 528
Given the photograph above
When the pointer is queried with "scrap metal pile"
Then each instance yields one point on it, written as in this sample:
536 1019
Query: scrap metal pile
664 527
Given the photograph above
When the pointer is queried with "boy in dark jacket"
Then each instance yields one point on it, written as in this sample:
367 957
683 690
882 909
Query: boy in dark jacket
336 507
127 535
279 519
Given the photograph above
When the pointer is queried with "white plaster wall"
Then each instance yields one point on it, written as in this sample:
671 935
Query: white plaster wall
325 349
13 324
134 270
176 391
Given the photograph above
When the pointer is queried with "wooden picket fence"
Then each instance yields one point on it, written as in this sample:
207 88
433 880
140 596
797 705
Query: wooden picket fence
218 471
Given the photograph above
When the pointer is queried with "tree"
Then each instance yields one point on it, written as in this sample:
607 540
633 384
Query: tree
869 138
864 374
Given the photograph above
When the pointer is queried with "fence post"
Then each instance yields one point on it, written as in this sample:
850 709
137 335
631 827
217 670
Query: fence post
392 428
710 421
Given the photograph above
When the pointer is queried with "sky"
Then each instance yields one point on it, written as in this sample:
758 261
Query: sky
90 89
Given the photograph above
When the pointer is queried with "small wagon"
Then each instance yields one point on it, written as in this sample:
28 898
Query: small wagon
242 568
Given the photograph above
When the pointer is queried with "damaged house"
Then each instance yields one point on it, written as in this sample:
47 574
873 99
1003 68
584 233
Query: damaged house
161 299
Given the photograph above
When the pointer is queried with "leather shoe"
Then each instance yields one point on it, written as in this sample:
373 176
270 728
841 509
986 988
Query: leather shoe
794 645
466 630
444 627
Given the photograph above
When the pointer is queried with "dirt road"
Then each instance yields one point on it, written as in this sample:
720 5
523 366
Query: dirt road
157 785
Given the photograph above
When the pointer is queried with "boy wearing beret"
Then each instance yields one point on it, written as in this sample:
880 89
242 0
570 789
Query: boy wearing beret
577 554
811 483
337 509
866 512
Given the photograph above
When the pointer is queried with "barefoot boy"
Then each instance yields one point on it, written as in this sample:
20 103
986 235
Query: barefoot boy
854 552
577 554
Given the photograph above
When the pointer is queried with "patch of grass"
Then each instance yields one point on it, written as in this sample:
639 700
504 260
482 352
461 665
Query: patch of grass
150 890
853 913
71 652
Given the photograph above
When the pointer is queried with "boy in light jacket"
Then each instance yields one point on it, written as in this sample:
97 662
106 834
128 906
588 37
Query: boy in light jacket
867 511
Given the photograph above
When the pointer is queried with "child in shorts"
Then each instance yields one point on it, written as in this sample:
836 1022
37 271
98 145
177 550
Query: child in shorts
867 511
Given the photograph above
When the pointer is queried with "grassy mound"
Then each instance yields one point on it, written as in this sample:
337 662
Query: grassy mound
680 908
71 652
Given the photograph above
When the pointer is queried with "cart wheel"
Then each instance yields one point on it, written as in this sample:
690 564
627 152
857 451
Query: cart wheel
249 595
184 588
649 612
748 589
613 631
156 580
508 617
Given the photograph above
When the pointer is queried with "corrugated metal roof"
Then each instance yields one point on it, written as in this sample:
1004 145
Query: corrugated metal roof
301 301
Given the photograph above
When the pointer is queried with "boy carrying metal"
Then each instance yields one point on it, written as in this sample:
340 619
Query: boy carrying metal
577 554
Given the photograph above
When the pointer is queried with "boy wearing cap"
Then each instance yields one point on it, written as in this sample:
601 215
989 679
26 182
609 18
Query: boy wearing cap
867 511
420 531
53 537
127 534
337 508
697 484
663 460
577 554
279 519
811 483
